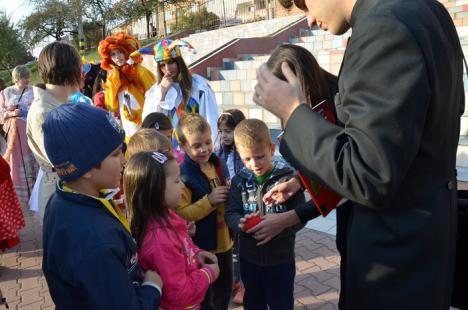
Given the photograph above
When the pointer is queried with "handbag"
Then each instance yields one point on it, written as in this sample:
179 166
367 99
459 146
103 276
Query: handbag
5 125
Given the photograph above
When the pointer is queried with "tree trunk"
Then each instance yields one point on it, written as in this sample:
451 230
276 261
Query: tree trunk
148 31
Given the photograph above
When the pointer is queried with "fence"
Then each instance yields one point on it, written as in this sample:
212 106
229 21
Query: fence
201 15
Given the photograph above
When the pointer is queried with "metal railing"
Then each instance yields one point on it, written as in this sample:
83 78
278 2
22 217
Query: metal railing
201 15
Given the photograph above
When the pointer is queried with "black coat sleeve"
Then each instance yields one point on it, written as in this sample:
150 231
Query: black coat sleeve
382 104
107 285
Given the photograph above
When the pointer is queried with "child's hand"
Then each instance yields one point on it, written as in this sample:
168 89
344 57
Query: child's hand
191 228
205 257
218 195
153 277
215 268
245 218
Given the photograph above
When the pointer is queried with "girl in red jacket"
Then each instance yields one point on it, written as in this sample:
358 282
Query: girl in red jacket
153 189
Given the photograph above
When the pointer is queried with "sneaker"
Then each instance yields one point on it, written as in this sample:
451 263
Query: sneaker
239 296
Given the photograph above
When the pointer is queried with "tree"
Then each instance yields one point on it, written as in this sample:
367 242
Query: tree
197 20
106 12
146 9
51 18
12 48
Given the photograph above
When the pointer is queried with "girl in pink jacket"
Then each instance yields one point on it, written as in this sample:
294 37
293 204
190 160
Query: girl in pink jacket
153 188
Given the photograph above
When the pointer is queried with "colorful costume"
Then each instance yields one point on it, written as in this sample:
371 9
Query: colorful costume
126 85
202 98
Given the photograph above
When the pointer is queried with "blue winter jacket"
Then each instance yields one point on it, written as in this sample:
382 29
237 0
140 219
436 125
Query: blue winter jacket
90 259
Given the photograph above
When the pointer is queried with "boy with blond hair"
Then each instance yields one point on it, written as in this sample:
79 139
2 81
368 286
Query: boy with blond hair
203 198
146 140
268 269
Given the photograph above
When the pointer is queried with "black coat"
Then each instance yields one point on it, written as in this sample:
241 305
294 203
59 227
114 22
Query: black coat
400 100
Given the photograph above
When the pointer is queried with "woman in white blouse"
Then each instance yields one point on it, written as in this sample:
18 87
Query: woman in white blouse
14 105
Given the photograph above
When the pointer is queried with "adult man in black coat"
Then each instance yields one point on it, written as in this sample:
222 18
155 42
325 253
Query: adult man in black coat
400 99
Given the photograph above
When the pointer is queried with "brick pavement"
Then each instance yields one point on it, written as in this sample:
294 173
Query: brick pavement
316 287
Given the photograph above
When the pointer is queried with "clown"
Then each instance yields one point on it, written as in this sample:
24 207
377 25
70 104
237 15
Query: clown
127 80
177 91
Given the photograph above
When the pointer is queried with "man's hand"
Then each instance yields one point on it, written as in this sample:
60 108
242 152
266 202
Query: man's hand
282 191
279 97
272 224
205 257
153 277
218 195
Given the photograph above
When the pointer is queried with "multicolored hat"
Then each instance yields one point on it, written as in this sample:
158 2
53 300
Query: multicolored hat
164 50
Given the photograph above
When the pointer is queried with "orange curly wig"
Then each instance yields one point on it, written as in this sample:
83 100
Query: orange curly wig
127 44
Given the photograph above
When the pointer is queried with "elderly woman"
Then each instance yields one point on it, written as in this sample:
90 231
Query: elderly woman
14 105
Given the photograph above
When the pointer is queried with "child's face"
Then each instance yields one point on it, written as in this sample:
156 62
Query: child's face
226 134
258 159
109 173
118 57
199 146
174 185
167 133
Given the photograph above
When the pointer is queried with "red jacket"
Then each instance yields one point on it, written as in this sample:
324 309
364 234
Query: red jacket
170 252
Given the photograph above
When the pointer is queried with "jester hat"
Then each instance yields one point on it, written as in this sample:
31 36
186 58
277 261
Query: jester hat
120 40
164 50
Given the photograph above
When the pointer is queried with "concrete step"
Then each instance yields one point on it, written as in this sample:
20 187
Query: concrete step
462 174
238 74
233 85
462 152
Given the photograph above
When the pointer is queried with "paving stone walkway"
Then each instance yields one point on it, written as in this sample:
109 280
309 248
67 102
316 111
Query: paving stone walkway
317 263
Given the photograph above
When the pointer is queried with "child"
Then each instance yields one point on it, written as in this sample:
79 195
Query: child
162 124
153 188
226 150
147 139
90 258
126 83
267 270
203 198
59 65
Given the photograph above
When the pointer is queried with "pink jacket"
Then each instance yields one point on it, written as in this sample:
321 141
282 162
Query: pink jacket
175 258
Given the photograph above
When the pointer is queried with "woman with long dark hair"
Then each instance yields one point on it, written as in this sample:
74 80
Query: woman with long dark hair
177 91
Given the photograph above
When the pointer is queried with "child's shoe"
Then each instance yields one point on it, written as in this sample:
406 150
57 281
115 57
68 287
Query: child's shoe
239 296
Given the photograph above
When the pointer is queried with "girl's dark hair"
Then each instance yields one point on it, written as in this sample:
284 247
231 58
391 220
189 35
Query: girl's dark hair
184 78
231 118
145 185
312 77
60 64
158 121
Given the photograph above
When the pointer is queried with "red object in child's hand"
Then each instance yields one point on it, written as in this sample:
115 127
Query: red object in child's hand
252 221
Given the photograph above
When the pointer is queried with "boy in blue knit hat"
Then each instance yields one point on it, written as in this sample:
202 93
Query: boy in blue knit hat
90 259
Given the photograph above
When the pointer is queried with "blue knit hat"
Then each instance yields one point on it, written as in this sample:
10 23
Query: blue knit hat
78 137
